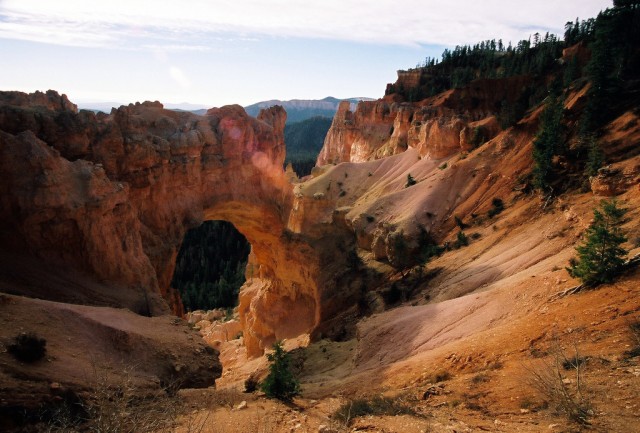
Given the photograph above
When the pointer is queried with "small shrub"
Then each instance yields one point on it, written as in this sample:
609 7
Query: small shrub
28 347
342 193
459 222
527 403
440 376
530 404
574 362
498 207
280 383
565 394
633 352
251 384
410 181
370 218
471 402
635 331
480 378
378 406
461 240
495 365
443 166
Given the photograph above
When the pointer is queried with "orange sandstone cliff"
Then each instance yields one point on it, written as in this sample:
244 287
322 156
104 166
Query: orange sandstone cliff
436 127
103 202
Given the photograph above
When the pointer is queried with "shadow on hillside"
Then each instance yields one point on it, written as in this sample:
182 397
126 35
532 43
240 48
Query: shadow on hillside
402 332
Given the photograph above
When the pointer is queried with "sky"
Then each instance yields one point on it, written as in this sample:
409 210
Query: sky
217 52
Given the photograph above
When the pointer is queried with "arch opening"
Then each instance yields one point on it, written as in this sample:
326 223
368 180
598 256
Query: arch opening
210 266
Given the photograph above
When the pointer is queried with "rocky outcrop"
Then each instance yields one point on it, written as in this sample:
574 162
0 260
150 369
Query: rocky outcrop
355 136
111 197
437 127
610 181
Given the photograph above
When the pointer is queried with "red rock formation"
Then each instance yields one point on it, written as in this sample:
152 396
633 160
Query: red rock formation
437 127
112 196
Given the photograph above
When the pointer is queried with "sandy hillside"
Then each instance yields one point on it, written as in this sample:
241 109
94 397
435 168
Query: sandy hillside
477 330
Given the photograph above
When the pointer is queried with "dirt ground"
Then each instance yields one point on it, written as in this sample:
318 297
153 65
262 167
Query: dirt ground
464 353
482 383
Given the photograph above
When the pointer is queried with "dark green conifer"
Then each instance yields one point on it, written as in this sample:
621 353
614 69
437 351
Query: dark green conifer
601 257
410 181
595 157
549 140
280 383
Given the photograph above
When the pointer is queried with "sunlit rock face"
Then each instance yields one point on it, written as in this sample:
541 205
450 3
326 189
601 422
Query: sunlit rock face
438 127
110 197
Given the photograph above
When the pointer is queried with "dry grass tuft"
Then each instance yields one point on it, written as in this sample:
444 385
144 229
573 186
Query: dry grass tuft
560 382
378 406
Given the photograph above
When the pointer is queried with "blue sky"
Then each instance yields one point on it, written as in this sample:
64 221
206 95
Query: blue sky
217 52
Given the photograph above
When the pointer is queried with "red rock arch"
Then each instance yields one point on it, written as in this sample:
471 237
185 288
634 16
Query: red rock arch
111 196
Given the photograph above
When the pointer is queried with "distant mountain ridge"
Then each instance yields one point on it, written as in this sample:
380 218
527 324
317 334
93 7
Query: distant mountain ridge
303 109
106 107
297 109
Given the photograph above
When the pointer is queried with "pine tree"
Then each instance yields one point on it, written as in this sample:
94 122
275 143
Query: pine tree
595 157
280 383
550 137
601 257
548 141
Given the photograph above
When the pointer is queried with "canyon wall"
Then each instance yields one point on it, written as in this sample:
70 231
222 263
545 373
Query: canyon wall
438 127
103 201
109 198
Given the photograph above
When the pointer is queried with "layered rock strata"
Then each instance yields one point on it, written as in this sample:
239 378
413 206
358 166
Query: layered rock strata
110 197
452 122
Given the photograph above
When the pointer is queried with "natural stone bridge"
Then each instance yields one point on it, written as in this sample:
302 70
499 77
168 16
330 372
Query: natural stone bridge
110 197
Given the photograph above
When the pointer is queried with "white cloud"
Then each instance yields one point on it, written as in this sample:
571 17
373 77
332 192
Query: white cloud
179 77
184 23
